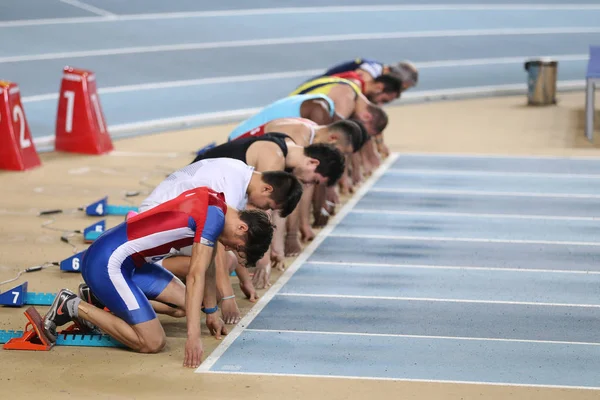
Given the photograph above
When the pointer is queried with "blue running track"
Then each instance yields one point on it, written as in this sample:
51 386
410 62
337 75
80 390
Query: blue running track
443 268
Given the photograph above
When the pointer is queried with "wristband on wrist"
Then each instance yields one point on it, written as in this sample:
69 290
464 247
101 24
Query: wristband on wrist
210 310
228 297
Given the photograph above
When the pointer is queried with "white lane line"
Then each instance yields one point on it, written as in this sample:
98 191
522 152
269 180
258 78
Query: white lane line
303 10
293 74
473 240
471 62
122 130
449 267
87 7
186 83
470 215
300 39
283 279
451 172
500 156
393 335
486 193
436 300
122 153
377 378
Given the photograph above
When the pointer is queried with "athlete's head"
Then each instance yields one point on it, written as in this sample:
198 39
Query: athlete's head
407 72
320 163
248 233
383 89
372 116
362 137
274 190
345 135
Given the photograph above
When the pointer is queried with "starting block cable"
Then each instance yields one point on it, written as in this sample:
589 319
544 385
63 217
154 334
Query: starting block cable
68 233
31 269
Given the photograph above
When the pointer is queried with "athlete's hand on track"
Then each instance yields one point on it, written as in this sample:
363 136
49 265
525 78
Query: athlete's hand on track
384 151
321 218
261 276
332 200
345 185
193 352
278 263
230 311
357 177
215 325
248 289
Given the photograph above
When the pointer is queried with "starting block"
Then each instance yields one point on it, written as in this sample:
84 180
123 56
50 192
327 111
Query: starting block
34 338
18 296
102 208
73 263
206 148
80 123
66 338
17 150
94 231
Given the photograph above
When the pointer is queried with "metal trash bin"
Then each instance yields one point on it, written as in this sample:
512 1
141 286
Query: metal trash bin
541 82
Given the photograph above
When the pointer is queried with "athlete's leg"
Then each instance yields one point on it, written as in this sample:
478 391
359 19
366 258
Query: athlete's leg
132 321
169 292
178 266
160 286
162 308
144 337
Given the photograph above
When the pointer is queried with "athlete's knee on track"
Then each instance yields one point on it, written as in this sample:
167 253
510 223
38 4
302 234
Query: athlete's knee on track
152 343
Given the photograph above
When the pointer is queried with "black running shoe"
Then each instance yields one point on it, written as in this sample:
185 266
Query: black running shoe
58 314
86 295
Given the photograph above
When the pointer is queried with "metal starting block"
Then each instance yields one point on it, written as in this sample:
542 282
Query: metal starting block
34 338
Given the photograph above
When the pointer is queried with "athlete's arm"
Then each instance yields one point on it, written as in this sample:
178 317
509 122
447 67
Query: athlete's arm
208 228
344 99
202 256
337 117
265 156
229 308
318 112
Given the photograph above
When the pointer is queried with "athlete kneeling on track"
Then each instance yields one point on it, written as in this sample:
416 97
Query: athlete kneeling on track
365 70
349 102
198 217
316 163
348 136
243 187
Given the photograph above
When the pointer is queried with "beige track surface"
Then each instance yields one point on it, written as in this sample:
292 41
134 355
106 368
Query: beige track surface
483 126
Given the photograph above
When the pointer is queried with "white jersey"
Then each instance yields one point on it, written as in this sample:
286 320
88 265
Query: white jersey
226 175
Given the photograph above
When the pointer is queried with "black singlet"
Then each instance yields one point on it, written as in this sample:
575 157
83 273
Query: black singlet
237 148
